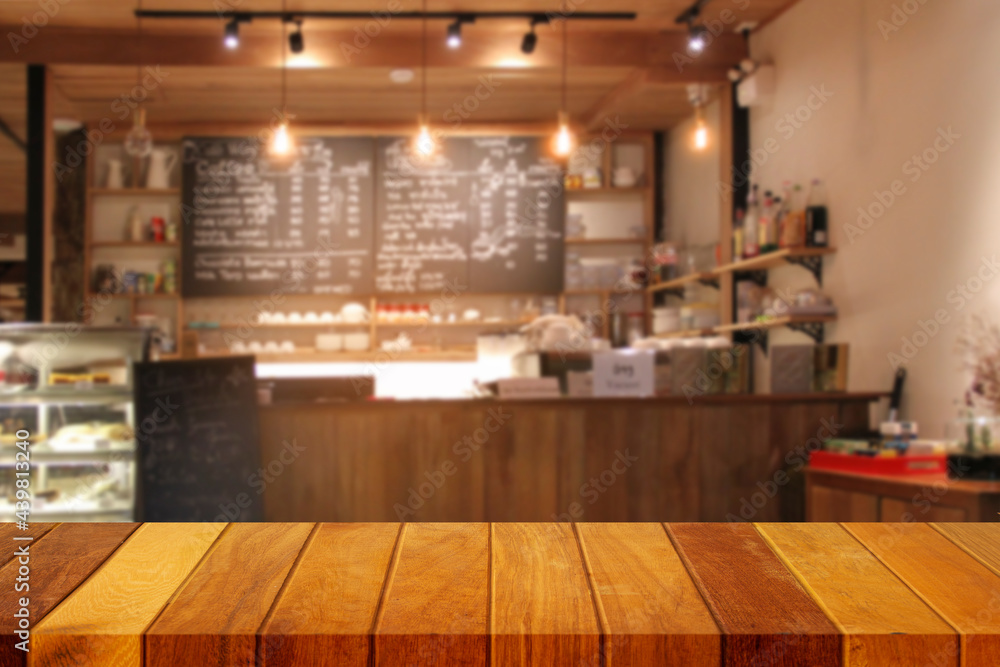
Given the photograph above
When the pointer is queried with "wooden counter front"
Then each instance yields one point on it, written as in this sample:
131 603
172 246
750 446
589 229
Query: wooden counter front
539 594
839 496
579 459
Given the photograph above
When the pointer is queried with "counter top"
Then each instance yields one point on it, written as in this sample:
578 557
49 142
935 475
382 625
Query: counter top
508 594
727 399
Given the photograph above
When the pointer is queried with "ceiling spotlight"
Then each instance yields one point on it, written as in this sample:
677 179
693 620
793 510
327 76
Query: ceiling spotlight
531 39
232 38
529 42
295 41
455 34
696 38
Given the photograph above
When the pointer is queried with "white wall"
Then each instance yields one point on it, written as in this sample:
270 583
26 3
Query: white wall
692 206
691 211
892 94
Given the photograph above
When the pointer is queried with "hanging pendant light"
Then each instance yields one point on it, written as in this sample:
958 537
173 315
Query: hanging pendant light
698 96
281 144
424 144
139 140
564 142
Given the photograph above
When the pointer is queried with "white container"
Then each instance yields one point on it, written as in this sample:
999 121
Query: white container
160 164
329 342
357 342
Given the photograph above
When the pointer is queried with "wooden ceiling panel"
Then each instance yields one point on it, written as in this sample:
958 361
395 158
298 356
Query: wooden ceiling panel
652 14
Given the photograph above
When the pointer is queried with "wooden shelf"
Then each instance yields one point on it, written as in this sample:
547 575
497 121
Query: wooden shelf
136 297
633 241
687 333
773 323
773 259
588 292
777 322
134 244
431 325
319 356
679 283
12 303
215 326
135 192
605 191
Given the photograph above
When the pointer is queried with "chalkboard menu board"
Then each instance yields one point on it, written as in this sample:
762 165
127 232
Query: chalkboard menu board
518 217
253 225
423 209
198 440
351 216
485 214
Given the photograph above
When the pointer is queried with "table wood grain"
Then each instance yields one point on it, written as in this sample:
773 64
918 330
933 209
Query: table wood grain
583 594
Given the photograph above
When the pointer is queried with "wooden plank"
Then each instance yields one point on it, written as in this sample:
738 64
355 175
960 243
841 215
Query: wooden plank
981 541
652 613
766 615
58 564
957 586
829 505
214 618
9 531
103 620
541 610
436 601
885 623
327 609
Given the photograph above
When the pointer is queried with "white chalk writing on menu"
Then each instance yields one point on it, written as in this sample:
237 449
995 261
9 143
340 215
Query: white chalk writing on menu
255 225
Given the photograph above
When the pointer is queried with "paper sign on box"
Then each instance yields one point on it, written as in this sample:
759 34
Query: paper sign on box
624 373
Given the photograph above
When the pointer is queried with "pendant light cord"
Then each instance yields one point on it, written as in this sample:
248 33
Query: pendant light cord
284 63
138 30
423 76
565 63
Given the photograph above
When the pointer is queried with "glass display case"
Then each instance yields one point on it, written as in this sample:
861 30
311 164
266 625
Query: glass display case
67 421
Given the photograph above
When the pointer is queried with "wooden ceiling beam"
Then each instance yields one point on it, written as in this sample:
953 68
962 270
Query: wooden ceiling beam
642 79
81 46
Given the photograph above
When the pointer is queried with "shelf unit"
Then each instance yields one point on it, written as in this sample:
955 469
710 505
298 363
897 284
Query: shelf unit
636 151
755 269
105 218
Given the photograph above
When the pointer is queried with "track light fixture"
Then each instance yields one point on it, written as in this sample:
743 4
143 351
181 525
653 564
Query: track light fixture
232 38
697 34
295 41
530 40
455 35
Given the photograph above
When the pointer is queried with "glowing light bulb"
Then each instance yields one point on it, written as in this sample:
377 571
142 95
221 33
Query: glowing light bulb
282 143
139 141
564 141
701 135
425 141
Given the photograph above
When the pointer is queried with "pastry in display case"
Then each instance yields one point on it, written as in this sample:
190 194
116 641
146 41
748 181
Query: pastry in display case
67 420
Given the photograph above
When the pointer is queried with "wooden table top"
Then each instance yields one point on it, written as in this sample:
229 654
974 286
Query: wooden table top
505 594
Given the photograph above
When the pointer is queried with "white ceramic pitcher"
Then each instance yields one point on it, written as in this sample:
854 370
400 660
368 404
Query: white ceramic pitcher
160 164
116 175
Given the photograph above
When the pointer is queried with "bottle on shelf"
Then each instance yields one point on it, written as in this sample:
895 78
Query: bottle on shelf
738 235
817 234
751 247
768 236
783 221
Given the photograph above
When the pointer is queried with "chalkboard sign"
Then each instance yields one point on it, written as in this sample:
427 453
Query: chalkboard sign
423 209
484 214
198 440
253 226
518 217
